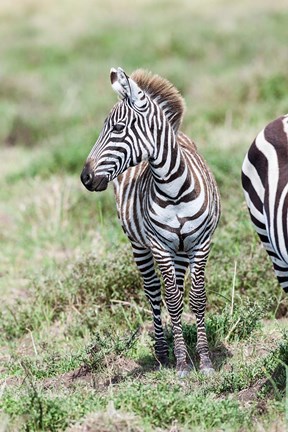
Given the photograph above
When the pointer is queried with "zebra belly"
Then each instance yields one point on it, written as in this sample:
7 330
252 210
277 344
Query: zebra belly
176 228
173 239
266 232
171 231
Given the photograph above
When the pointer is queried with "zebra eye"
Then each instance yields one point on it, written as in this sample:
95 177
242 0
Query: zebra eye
118 127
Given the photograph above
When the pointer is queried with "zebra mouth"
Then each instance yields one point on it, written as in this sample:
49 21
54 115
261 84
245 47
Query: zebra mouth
100 183
94 182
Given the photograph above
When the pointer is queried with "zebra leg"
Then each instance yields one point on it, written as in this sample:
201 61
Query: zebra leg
152 288
197 299
174 301
181 263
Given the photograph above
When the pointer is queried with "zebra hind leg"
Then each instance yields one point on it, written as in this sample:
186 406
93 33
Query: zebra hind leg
181 264
174 301
152 288
197 299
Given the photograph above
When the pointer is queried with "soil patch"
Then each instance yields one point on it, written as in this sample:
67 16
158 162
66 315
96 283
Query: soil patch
251 394
115 371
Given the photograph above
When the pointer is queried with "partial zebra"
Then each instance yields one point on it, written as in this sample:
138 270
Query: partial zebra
167 199
265 184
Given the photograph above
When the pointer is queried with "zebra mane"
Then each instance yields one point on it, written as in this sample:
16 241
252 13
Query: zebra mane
164 93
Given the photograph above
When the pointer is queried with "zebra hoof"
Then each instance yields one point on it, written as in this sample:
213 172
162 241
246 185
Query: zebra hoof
184 372
162 361
208 371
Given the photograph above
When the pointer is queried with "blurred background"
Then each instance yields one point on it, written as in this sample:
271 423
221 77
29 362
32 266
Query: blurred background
228 59
66 271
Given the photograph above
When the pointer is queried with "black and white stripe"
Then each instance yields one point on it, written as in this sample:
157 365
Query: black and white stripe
167 199
265 184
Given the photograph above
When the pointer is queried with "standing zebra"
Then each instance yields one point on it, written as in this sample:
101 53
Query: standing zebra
265 184
167 199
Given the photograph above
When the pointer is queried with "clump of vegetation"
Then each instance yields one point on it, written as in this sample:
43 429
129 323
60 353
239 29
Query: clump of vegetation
160 404
104 347
32 409
272 366
92 282
235 325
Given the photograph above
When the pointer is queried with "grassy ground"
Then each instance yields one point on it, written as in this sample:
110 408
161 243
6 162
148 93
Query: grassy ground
75 345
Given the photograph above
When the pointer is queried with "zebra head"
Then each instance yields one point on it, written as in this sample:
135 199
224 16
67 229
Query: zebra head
126 138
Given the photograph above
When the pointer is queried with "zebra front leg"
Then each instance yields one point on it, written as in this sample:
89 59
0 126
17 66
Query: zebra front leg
152 288
174 301
197 299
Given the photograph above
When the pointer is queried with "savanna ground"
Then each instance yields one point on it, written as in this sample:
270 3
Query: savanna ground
75 345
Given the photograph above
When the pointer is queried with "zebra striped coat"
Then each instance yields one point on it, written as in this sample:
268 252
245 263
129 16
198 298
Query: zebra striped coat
265 184
167 199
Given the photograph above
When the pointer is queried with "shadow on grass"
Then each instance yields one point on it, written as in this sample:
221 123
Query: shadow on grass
148 363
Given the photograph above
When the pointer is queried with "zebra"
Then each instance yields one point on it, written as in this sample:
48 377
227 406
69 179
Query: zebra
265 185
166 197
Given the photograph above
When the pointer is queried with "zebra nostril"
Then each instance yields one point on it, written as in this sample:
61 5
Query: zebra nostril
86 178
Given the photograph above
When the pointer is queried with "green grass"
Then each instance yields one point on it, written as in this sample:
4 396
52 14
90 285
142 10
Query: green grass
75 327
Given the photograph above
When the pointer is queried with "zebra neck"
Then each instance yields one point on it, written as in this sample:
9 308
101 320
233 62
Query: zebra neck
169 168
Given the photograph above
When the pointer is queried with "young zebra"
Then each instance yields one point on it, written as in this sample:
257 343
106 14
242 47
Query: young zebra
265 184
167 199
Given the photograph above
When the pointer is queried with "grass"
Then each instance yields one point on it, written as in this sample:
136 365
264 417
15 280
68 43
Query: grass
75 329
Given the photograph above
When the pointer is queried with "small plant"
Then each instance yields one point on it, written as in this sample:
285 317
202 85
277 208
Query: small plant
272 367
31 409
234 325
225 327
107 346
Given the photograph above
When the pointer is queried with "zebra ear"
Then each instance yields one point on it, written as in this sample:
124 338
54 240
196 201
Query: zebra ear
126 87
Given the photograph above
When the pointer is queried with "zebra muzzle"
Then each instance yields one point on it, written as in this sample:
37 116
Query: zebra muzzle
94 182
100 183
